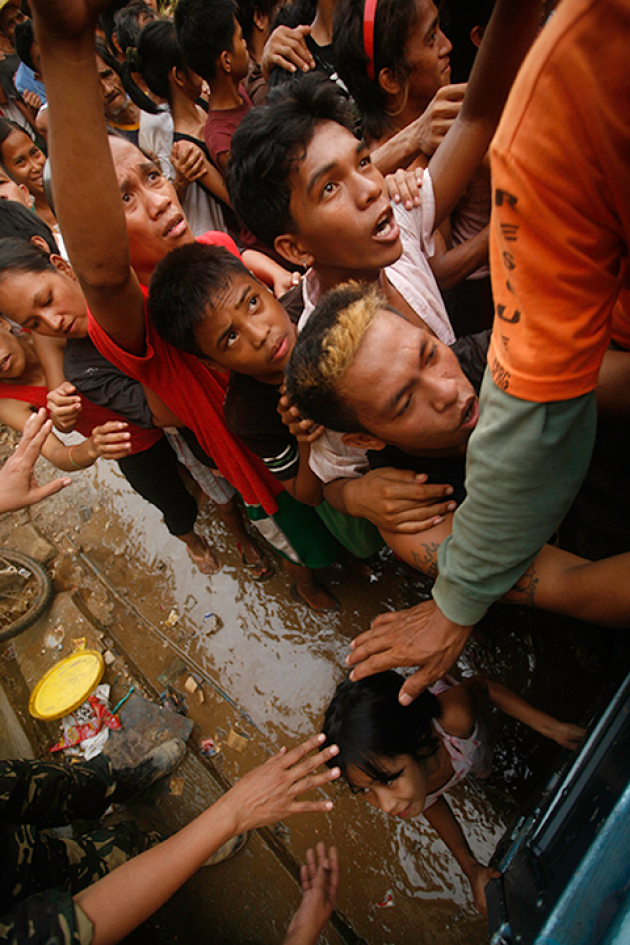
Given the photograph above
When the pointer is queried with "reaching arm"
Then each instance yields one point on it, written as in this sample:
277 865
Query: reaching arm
263 796
442 819
510 33
88 204
50 355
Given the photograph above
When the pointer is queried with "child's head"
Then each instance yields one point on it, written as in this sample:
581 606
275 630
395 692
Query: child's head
303 183
383 746
23 159
39 291
211 38
204 301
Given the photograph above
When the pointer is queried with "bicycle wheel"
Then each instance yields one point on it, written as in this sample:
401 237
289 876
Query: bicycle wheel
25 592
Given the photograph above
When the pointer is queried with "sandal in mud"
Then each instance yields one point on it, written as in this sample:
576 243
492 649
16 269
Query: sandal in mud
261 564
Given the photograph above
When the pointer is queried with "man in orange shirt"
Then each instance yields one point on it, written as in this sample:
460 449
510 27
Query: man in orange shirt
559 247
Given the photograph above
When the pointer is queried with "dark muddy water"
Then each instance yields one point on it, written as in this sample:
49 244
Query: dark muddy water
280 663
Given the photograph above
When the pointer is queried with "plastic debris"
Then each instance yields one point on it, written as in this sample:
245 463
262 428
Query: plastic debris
172 619
388 901
9 654
174 700
208 747
191 685
201 696
109 657
212 624
54 638
85 513
79 643
174 669
81 727
176 786
237 740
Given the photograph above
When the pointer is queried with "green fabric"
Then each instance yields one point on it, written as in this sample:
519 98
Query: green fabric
525 464
316 547
357 535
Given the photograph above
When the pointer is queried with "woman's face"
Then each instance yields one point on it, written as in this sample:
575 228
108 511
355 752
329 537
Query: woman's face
403 795
25 161
12 356
49 302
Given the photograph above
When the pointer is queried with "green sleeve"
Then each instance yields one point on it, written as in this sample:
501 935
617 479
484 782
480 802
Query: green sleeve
525 464
44 918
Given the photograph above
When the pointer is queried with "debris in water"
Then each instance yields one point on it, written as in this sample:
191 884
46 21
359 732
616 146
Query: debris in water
208 747
176 787
237 740
172 619
9 654
191 685
54 638
387 902
212 624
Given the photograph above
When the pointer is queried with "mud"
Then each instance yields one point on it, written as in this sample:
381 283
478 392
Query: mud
269 669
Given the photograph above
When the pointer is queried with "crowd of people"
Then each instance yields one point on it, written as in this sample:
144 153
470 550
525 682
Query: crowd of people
277 258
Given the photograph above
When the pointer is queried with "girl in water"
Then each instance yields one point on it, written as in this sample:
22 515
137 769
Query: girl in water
404 759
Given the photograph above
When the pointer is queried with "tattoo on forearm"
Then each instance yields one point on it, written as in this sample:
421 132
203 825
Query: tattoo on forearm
524 592
427 561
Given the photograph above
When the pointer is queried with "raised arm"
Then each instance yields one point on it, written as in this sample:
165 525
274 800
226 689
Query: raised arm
88 202
510 33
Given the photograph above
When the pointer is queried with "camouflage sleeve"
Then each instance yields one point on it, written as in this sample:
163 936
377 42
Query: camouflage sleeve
46 918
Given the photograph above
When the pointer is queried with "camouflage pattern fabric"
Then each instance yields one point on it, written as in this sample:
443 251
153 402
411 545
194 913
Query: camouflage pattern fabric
39 872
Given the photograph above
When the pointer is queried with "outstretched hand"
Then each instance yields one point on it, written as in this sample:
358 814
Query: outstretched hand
271 792
320 882
421 636
18 487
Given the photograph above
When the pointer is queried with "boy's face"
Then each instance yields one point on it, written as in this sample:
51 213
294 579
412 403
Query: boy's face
248 331
403 796
341 208
153 215
408 389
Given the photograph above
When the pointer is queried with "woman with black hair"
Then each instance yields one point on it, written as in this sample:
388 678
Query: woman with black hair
25 162
175 136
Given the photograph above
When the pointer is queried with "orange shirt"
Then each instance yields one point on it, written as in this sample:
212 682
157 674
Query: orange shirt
561 206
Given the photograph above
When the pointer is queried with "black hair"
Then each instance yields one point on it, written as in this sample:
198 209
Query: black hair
270 142
205 29
23 40
395 20
156 54
184 285
301 12
368 723
459 18
106 21
127 23
245 10
309 385
7 127
17 222
108 58
20 255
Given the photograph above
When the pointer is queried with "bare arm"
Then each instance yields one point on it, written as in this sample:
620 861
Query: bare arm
264 795
451 264
420 139
88 204
613 385
510 32
487 690
442 819
50 354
